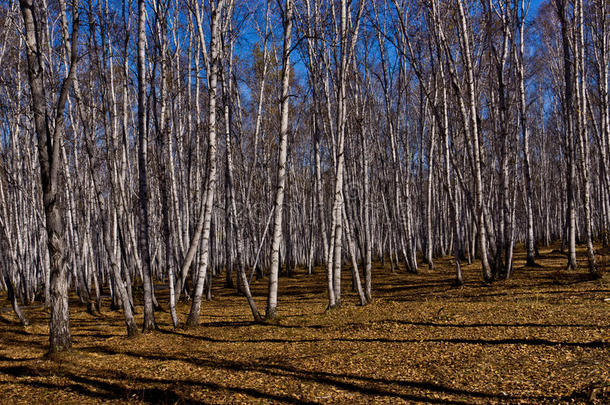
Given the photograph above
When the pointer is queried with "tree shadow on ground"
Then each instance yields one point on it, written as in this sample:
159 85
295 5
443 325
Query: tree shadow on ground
95 388
487 325
512 341
422 391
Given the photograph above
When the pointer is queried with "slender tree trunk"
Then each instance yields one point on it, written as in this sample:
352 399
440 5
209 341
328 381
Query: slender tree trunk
472 100
206 214
271 312
143 231
568 112
583 135
527 171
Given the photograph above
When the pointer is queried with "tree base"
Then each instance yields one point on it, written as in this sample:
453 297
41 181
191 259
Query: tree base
457 282
271 314
132 332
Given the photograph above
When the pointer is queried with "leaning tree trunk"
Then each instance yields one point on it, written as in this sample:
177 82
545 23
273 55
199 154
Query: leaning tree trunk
11 252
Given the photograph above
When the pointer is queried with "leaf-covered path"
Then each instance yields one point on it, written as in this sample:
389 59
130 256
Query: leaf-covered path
542 337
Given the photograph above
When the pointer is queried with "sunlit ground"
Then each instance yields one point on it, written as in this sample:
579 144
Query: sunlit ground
541 337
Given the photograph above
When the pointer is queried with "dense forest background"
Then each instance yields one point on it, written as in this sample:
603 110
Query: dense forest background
162 143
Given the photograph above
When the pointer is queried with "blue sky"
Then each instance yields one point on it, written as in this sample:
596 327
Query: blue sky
534 8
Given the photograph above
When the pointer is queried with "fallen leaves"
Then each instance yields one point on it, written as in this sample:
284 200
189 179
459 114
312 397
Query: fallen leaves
530 339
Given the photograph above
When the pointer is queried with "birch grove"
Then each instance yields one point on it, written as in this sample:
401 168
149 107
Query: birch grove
157 145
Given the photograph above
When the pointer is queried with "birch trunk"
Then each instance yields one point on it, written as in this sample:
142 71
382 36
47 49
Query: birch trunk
143 228
206 212
271 312
49 146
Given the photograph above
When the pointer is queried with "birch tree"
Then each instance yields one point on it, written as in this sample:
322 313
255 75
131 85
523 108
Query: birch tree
49 146
287 16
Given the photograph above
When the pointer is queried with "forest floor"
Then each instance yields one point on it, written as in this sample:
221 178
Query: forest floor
541 337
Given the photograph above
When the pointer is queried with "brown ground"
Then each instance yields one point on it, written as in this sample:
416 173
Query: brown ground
542 337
